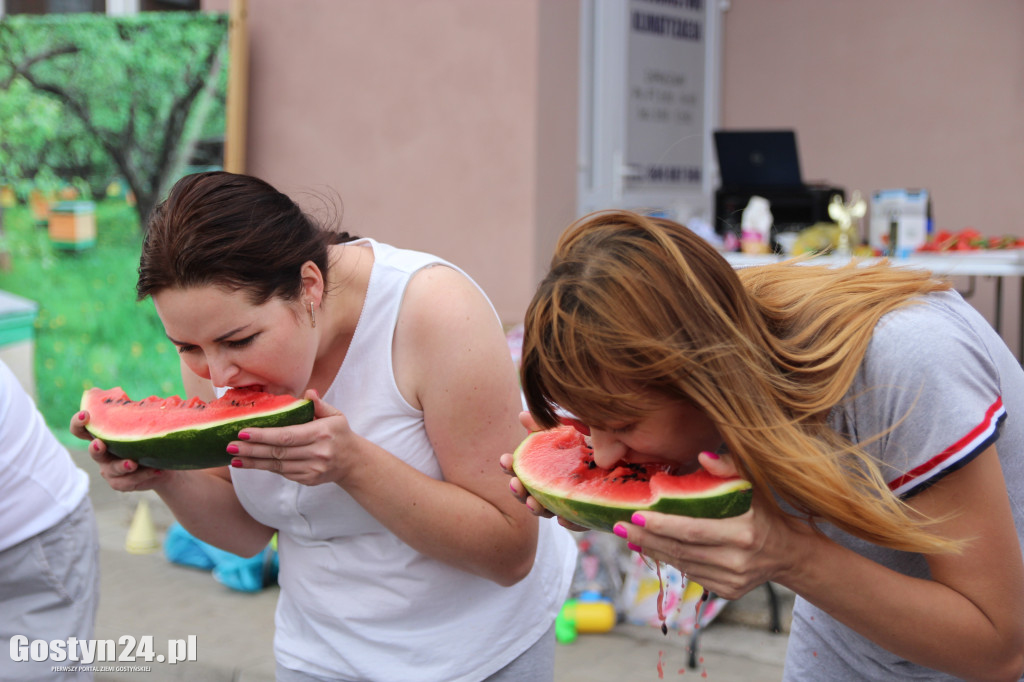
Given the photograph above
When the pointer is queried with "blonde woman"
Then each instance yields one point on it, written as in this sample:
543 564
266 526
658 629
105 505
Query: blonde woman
877 414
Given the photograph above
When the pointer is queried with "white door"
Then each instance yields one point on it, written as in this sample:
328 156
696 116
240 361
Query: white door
649 98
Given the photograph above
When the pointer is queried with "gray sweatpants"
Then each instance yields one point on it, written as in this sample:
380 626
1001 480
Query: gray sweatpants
49 590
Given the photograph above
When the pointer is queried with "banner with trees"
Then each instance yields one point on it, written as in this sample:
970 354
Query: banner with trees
87 100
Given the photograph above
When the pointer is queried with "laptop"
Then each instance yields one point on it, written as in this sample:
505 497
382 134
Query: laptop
758 158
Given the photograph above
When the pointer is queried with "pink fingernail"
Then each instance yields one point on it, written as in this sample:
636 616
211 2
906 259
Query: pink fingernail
635 548
232 449
620 530
81 416
710 455
127 465
638 520
243 435
237 463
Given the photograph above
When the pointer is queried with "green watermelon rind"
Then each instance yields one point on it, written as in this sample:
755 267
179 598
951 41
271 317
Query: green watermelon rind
604 517
731 497
202 447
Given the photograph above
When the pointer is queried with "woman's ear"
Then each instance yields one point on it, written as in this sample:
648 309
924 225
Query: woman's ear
312 282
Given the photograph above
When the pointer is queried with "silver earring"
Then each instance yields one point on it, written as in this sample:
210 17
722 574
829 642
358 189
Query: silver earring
312 315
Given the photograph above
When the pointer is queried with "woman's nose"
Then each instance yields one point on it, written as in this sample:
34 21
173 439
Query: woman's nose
608 450
221 371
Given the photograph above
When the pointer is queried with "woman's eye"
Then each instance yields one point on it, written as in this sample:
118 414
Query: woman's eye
184 348
242 343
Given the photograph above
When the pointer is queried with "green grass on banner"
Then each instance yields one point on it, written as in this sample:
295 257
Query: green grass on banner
89 331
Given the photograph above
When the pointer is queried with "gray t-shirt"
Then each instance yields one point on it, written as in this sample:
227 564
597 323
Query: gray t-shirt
941 386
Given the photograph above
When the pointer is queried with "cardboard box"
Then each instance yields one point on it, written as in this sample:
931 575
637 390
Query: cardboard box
903 216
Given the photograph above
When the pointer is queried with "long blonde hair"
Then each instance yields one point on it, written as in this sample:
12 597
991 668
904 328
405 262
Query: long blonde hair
634 304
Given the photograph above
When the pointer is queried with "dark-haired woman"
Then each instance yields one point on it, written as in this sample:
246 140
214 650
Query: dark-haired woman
877 414
402 555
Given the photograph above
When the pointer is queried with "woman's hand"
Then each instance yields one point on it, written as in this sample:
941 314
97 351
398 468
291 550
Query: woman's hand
123 475
520 493
314 453
729 556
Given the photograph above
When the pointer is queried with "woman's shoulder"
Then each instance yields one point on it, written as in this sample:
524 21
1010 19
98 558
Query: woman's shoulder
932 343
439 291
928 379
929 324
400 258
444 316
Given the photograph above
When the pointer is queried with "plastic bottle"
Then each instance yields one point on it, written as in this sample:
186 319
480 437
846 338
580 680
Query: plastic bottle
756 225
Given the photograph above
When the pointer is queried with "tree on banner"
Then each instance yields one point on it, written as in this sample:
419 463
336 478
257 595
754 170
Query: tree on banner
86 93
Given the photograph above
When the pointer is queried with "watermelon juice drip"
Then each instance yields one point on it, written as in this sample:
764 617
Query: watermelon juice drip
661 591
661 599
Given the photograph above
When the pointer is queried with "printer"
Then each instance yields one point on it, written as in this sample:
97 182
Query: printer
765 163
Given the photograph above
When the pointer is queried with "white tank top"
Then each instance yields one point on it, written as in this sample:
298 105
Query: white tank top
356 602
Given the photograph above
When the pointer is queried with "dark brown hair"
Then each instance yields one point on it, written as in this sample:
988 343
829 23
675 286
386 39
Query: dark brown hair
233 231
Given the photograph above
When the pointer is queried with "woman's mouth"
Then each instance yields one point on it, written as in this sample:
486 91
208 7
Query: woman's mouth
252 387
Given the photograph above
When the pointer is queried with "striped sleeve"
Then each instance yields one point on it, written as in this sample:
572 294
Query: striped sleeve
927 399
955 456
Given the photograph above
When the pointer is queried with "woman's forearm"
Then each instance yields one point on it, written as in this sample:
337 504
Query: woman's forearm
205 503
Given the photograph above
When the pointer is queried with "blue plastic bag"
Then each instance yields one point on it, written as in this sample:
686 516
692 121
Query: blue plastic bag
231 570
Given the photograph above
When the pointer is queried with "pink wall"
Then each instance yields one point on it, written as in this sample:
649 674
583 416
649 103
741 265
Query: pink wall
435 123
925 93
450 125
883 94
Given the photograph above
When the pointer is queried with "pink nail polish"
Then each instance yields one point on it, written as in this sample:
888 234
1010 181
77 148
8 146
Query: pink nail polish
127 466
620 531
232 449
243 435
638 520
635 548
710 455
81 416
237 463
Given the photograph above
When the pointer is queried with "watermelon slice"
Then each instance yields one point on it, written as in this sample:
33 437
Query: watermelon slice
171 433
557 468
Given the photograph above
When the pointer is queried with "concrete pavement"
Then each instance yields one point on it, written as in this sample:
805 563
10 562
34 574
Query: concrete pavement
146 596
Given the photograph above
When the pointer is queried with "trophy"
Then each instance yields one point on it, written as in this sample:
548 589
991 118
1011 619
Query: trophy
844 215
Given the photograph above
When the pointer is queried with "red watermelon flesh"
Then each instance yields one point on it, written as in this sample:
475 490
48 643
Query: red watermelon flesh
172 433
557 468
